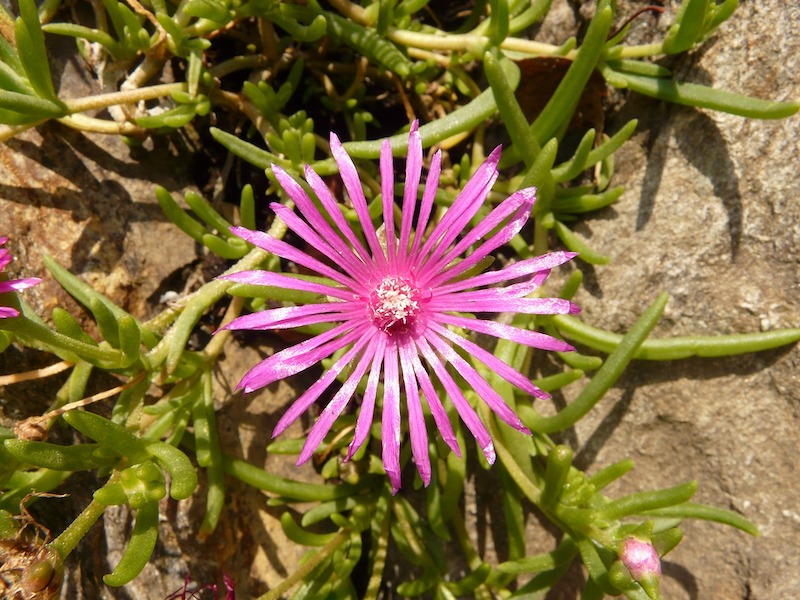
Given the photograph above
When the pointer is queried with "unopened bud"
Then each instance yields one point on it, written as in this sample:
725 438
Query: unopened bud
642 560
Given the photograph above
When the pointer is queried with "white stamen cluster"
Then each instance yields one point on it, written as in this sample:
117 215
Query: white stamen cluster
393 303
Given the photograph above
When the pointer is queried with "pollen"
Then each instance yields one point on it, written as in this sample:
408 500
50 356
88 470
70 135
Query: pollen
393 304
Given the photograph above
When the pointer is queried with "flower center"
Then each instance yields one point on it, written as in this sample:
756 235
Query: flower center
394 304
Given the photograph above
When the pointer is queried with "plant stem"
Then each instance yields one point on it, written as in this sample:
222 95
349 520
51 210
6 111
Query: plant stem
66 542
76 105
308 566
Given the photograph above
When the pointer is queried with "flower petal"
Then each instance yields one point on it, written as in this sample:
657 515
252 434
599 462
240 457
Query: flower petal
478 383
288 252
432 398
534 339
518 269
352 184
480 302
316 389
413 174
463 407
272 318
416 419
15 285
268 278
299 357
463 208
426 207
390 420
387 201
364 422
508 373
319 224
337 404
518 206
341 255
5 258
334 210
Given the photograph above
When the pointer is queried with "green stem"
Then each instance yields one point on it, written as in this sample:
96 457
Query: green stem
308 566
524 483
66 542
379 560
76 105
469 43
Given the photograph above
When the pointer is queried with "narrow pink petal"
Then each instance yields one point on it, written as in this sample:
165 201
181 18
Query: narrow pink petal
518 206
509 207
528 306
353 316
432 398
318 222
390 420
7 311
340 256
413 174
333 208
338 403
534 339
352 184
18 284
289 252
509 292
316 389
387 199
268 278
490 360
267 319
478 383
521 268
299 357
5 258
416 419
426 207
464 207
463 407
365 413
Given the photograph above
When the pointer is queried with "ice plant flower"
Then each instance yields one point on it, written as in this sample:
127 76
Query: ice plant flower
640 558
642 561
396 297
11 285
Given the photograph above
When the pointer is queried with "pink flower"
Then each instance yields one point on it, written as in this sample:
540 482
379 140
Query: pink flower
395 298
641 559
12 285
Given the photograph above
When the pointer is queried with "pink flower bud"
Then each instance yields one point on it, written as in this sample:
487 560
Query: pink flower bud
641 559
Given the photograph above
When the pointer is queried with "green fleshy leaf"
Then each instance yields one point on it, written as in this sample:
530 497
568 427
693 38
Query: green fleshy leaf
677 347
559 109
32 51
369 43
635 504
139 549
692 94
60 458
691 510
688 27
